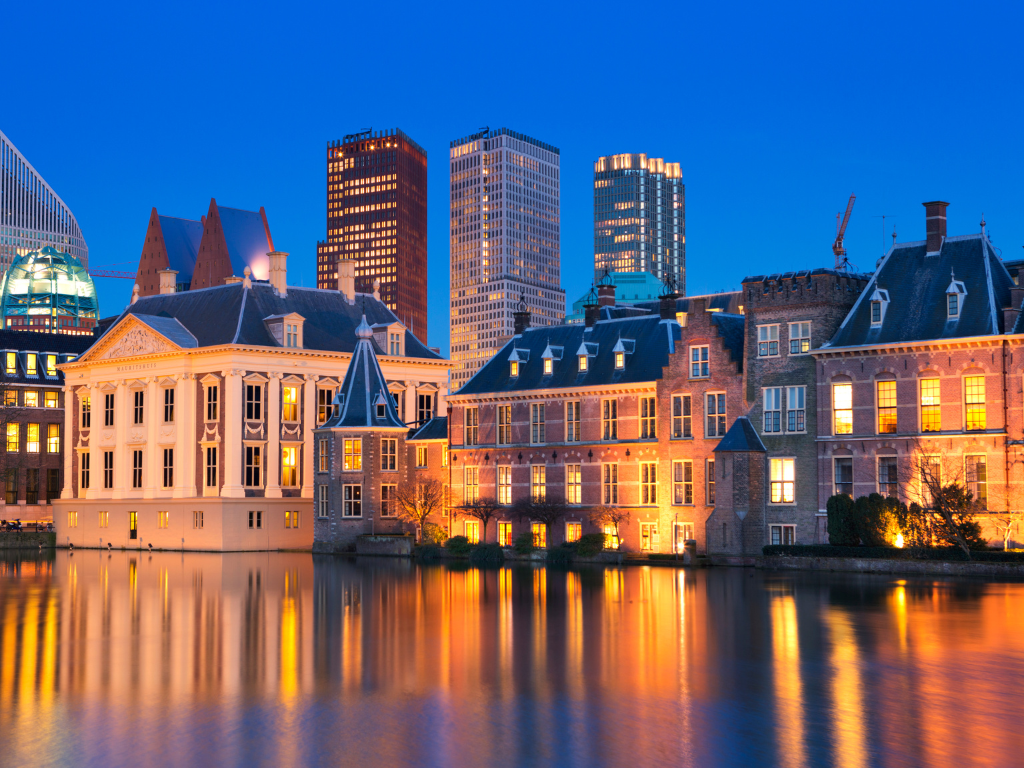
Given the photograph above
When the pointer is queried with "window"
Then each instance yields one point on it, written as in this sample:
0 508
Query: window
783 534
952 305
168 406
767 341
572 421
513 368
682 482
321 455
73 519
573 531
197 519
931 410
252 466
799 338
53 438
876 312
549 366
684 533
888 481
30 364
620 360
321 501
388 500
86 418
108 469
537 423
104 520
421 457
11 364
425 407
540 534
52 484
773 409
795 409
977 480
472 426
974 389
289 466
11 397
291 335
504 424
609 419
83 471
13 437
573 484
352 496
162 519
32 438
290 404
710 479
254 402
886 394
139 407
211 466
11 486
649 537
136 469
699 362
444 454
648 482
504 534
681 415
844 476
842 409
931 479
31 486
50 399
211 403
472 530
538 482
782 480
610 483
388 454
471 492
505 485
611 537
255 518
648 419
168 467
716 415
582 363
31 398
352 454
108 410
51 365
324 407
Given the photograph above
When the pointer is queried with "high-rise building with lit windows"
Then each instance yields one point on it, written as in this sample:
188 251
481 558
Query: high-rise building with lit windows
32 215
640 217
377 216
504 242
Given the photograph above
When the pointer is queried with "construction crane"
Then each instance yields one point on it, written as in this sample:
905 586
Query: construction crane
837 247
111 273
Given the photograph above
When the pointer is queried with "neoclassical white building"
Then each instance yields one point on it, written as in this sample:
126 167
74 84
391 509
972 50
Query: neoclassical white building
190 421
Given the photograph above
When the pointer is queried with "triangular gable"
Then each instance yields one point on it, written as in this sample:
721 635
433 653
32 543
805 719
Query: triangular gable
131 337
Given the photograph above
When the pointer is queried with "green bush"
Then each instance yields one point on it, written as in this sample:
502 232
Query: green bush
434 534
524 543
590 544
458 545
428 552
562 555
877 519
485 554
842 528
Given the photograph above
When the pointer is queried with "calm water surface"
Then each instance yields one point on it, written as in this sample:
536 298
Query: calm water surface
289 659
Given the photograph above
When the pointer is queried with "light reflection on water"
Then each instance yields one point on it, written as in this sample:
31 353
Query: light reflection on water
287 659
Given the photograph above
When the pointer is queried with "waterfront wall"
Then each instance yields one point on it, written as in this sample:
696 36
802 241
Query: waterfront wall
879 565
28 540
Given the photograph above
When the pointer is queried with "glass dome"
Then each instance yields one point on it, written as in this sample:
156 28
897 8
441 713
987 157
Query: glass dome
47 290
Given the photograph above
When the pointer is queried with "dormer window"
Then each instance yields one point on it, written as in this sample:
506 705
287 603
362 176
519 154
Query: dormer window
955 295
291 334
620 360
879 302
513 368
286 329
953 305
517 358
549 366
583 363
876 311
622 348
382 410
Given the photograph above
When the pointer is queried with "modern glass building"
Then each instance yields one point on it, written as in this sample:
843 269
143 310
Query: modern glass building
32 215
48 291
640 217
504 242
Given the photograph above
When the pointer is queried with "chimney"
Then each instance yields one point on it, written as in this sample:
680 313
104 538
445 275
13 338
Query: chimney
347 279
591 309
935 224
521 317
279 272
667 301
606 295
168 281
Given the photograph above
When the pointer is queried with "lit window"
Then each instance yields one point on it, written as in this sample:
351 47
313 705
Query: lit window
505 485
886 407
513 368
842 409
767 340
782 480
799 338
50 399
13 437
582 362
931 411
290 409
289 466
11 363
573 484
32 438
548 366
30 364
53 438
573 531
504 534
620 360
51 365
352 454
540 534
31 398
538 482
974 389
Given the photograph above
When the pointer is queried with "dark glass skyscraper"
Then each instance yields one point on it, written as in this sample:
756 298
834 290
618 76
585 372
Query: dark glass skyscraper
377 215
640 217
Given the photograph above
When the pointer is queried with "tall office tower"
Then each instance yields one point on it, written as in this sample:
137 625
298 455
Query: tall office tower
504 242
32 215
640 217
377 215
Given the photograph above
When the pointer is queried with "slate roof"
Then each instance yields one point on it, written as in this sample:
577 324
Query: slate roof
234 314
247 239
64 345
917 285
741 438
181 239
435 429
170 328
364 390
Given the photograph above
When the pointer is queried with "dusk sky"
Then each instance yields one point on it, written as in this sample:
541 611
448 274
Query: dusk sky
776 114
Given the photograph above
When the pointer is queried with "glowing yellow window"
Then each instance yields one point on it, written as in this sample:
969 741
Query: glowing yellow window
931 412
11 364
353 453
540 534
505 534
573 531
11 397
51 365
886 407
53 438
30 365
32 438
473 531
291 404
842 409
289 465
31 398
974 390
50 399
13 441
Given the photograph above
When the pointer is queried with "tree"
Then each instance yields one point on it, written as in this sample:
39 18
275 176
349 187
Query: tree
1006 523
946 503
842 530
417 502
483 509
602 516
542 510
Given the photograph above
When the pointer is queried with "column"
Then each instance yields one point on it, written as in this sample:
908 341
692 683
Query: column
154 416
122 459
184 448
95 453
273 463
308 454
232 446
410 403
67 440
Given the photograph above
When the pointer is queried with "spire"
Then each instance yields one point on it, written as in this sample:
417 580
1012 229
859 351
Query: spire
363 400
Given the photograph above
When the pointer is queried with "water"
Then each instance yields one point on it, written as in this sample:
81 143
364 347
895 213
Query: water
286 659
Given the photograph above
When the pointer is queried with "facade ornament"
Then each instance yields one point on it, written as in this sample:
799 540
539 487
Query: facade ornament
136 341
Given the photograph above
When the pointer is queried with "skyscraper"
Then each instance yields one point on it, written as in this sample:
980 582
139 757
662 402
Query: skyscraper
640 217
32 215
504 242
377 215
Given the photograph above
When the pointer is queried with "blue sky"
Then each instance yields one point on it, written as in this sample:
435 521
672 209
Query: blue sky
777 113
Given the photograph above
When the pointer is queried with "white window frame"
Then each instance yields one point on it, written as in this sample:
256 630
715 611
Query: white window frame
504 483
771 410
350 502
573 421
768 335
573 484
781 529
470 484
609 418
682 482
791 414
682 422
799 338
471 425
538 423
648 417
610 483
781 463
700 366
720 416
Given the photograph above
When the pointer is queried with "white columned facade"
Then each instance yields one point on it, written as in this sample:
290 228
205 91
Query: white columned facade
308 455
67 441
122 465
274 436
95 395
233 405
410 402
153 414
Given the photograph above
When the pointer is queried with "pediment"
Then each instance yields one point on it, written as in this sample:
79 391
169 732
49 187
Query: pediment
130 338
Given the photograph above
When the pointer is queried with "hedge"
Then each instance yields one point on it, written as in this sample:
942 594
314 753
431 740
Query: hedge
891 553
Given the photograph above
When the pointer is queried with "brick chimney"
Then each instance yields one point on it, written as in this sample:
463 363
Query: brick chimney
521 317
935 224
279 272
606 295
168 281
347 279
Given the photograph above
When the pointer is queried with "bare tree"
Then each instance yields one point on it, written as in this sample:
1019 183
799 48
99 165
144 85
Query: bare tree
602 516
542 510
940 491
417 502
483 509
1006 523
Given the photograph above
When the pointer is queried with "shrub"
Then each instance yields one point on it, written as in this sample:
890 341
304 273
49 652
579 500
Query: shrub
434 534
876 519
524 543
562 555
458 545
484 554
428 552
842 530
590 544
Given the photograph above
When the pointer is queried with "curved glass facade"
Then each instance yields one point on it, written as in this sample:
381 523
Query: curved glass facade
48 291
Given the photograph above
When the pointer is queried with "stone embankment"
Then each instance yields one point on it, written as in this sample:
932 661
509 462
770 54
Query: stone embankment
880 565
27 540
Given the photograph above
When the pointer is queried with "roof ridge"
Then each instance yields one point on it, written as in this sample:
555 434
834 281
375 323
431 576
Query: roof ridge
241 314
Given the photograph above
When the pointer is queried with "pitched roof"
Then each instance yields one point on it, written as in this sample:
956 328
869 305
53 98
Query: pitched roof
916 285
363 399
435 429
64 345
181 239
248 239
741 438
170 328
